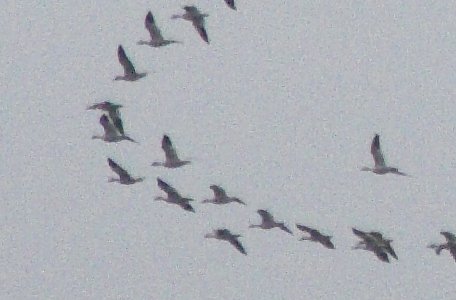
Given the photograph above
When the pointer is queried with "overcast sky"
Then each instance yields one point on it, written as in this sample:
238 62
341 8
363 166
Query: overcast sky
280 110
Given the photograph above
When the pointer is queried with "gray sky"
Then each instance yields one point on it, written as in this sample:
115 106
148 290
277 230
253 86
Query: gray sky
279 109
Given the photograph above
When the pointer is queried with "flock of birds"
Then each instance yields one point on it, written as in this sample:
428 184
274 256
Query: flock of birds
112 124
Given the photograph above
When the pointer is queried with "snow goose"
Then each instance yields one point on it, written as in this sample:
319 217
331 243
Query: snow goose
173 196
226 235
193 15
450 245
171 158
156 38
380 166
220 196
124 177
268 222
129 70
316 236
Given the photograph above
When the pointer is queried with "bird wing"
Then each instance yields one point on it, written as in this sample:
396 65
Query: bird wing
377 235
377 152
218 191
109 129
235 242
199 26
265 215
168 147
116 120
117 169
285 228
149 23
449 236
95 106
191 9
327 242
390 250
129 69
359 233
167 188
230 4
304 228
453 251
187 206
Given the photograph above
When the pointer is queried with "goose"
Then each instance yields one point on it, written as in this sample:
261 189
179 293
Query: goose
156 38
197 18
377 238
173 196
316 236
374 241
172 160
124 177
110 132
268 222
220 196
450 245
380 166
113 111
225 235
230 4
129 70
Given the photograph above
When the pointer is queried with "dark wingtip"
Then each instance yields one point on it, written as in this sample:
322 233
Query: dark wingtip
188 207
377 140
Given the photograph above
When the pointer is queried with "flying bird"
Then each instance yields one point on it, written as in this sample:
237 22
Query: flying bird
156 38
173 196
171 158
124 177
450 245
130 73
374 241
380 166
220 196
268 222
230 4
316 236
193 15
111 133
226 235
113 111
